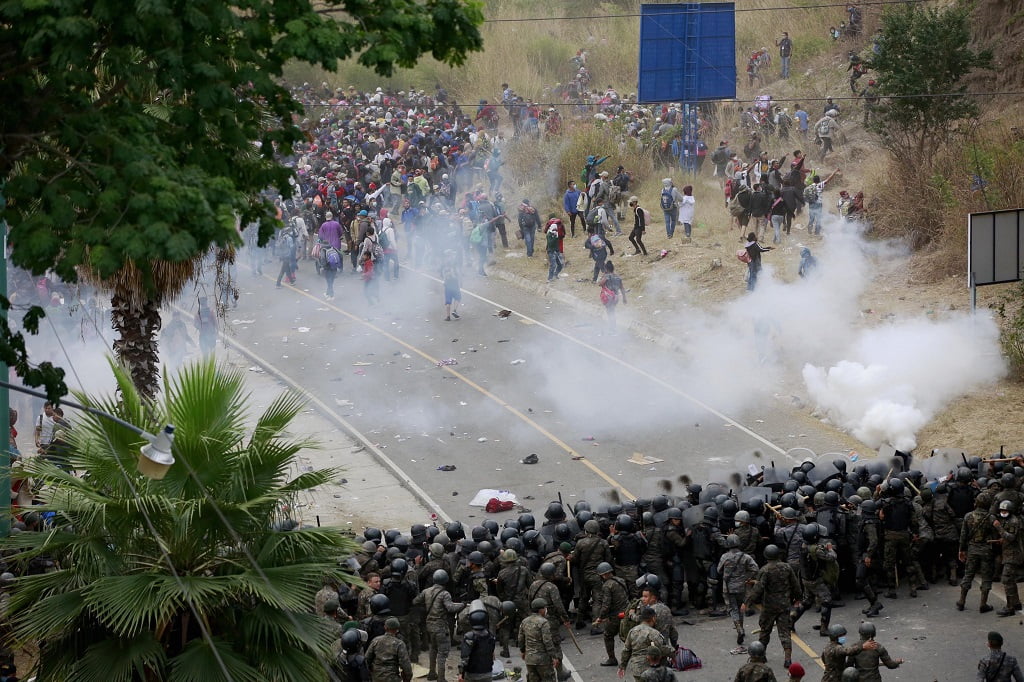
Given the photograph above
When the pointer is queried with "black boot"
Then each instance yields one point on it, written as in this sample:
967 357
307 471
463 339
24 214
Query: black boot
875 608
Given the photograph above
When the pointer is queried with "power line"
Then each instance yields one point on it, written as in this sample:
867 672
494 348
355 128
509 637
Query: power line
1004 93
631 15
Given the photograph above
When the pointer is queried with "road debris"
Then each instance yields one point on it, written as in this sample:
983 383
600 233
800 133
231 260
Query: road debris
446 467
532 458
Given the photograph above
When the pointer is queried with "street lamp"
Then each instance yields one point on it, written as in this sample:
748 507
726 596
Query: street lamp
155 459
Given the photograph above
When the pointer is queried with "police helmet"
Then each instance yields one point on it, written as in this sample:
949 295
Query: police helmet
583 516
492 527
659 503
351 640
614 510
869 507
563 533
1007 480
864 491
509 556
373 535
604 567
855 500
476 558
478 620
624 523
592 526
547 570
742 516
399 567
581 506
515 544
963 475
810 533
836 631
526 522
1006 506
649 581
756 649
674 513
798 477
418 532
486 547
789 513
391 535
479 533
554 512
508 608
711 514
402 543
866 630
531 539
455 531
507 534
772 552
850 675
732 541
392 554
380 605
790 486
832 498
729 508
895 486
819 499
440 577
839 464
511 523
789 500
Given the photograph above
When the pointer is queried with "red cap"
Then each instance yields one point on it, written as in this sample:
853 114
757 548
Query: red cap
796 670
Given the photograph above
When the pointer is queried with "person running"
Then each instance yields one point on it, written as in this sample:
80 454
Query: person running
598 251
754 251
636 237
611 290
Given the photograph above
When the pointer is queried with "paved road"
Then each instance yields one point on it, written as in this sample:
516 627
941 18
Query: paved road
376 369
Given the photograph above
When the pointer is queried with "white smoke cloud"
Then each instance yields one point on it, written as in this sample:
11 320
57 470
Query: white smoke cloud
895 379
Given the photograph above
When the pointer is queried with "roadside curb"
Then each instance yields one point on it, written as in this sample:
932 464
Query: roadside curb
403 479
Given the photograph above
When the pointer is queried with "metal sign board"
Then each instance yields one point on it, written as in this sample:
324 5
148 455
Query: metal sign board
687 52
995 247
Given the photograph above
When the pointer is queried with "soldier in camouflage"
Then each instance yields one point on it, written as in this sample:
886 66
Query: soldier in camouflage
748 534
537 646
372 587
388 657
756 668
1011 530
777 587
737 570
609 602
639 639
650 596
656 670
512 584
867 662
998 666
590 551
544 588
977 549
867 554
438 603
818 573
836 652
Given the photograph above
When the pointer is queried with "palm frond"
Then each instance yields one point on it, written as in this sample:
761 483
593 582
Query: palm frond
123 659
200 662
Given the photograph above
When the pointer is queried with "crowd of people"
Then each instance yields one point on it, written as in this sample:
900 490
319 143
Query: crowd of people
775 544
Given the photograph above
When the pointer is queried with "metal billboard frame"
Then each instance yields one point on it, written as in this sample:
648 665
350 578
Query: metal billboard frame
687 52
995 249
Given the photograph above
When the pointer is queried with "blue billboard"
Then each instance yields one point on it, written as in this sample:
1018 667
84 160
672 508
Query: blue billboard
687 52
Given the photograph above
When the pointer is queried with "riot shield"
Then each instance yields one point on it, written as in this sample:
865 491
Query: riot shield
944 461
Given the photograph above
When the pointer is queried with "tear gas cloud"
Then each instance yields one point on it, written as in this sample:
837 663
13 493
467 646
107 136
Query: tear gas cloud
882 384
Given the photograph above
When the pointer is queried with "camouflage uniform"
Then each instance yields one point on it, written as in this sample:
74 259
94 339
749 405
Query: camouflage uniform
901 521
665 623
512 584
834 659
363 608
749 538
538 648
388 659
662 673
439 605
736 570
654 557
590 550
548 591
326 594
776 587
755 670
867 661
627 550
818 571
634 650
562 579
976 534
609 602
1012 532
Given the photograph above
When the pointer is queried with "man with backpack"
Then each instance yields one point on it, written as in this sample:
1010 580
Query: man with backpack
529 222
825 129
812 197
389 244
600 188
330 236
670 200
284 249
598 248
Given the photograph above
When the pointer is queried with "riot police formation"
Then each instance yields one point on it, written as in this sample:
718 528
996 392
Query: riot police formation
781 540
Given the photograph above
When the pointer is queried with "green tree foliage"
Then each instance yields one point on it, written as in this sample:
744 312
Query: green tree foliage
143 132
194 577
924 51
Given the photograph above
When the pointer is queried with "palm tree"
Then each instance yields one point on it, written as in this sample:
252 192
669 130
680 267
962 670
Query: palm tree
187 578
